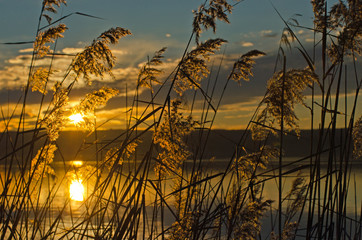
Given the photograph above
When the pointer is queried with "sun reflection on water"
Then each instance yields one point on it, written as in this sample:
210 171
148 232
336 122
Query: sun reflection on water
76 190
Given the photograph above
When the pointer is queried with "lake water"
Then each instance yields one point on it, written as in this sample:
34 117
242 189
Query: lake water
75 211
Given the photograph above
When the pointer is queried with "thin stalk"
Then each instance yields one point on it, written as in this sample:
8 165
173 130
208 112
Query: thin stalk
280 197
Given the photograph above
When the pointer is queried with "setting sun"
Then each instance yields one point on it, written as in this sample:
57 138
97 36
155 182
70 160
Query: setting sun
76 190
76 118
77 163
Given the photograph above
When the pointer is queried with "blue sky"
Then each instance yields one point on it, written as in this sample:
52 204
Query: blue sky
155 24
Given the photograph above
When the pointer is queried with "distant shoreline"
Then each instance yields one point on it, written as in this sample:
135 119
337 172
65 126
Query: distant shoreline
221 144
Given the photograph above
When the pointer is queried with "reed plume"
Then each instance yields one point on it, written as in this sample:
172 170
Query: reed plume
97 59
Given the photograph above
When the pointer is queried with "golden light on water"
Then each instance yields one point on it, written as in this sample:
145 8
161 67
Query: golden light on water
76 118
76 190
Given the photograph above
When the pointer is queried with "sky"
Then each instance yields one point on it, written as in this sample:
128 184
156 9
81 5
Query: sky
154 24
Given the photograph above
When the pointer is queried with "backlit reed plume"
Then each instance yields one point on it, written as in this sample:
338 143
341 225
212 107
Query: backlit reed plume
319 16
170 137
295 199
148 73
346 20
115 155
194 66
246 165
54 119
206 16
242 68
245 215
40 165
48 36
97 59
90 102
295 82
357 138
39 79
49 6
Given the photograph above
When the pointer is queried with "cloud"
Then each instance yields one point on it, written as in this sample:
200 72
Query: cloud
300 32
267 34
119 52
14 109
72 50
26 50
245 106
247 44
230 116
14 75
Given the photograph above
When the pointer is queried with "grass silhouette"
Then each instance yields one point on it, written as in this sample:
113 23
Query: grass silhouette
166 192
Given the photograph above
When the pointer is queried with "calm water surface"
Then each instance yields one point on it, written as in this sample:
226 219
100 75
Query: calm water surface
77 208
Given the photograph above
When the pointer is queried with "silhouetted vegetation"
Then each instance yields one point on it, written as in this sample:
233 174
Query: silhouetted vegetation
154 179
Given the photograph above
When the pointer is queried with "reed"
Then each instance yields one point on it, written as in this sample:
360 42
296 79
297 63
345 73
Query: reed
167 191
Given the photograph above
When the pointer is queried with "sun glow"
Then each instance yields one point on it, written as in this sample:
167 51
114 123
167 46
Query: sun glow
76 190
77 163
76 118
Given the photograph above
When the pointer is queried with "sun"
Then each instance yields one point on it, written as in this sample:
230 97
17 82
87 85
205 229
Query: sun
77 163
76 190
76 118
